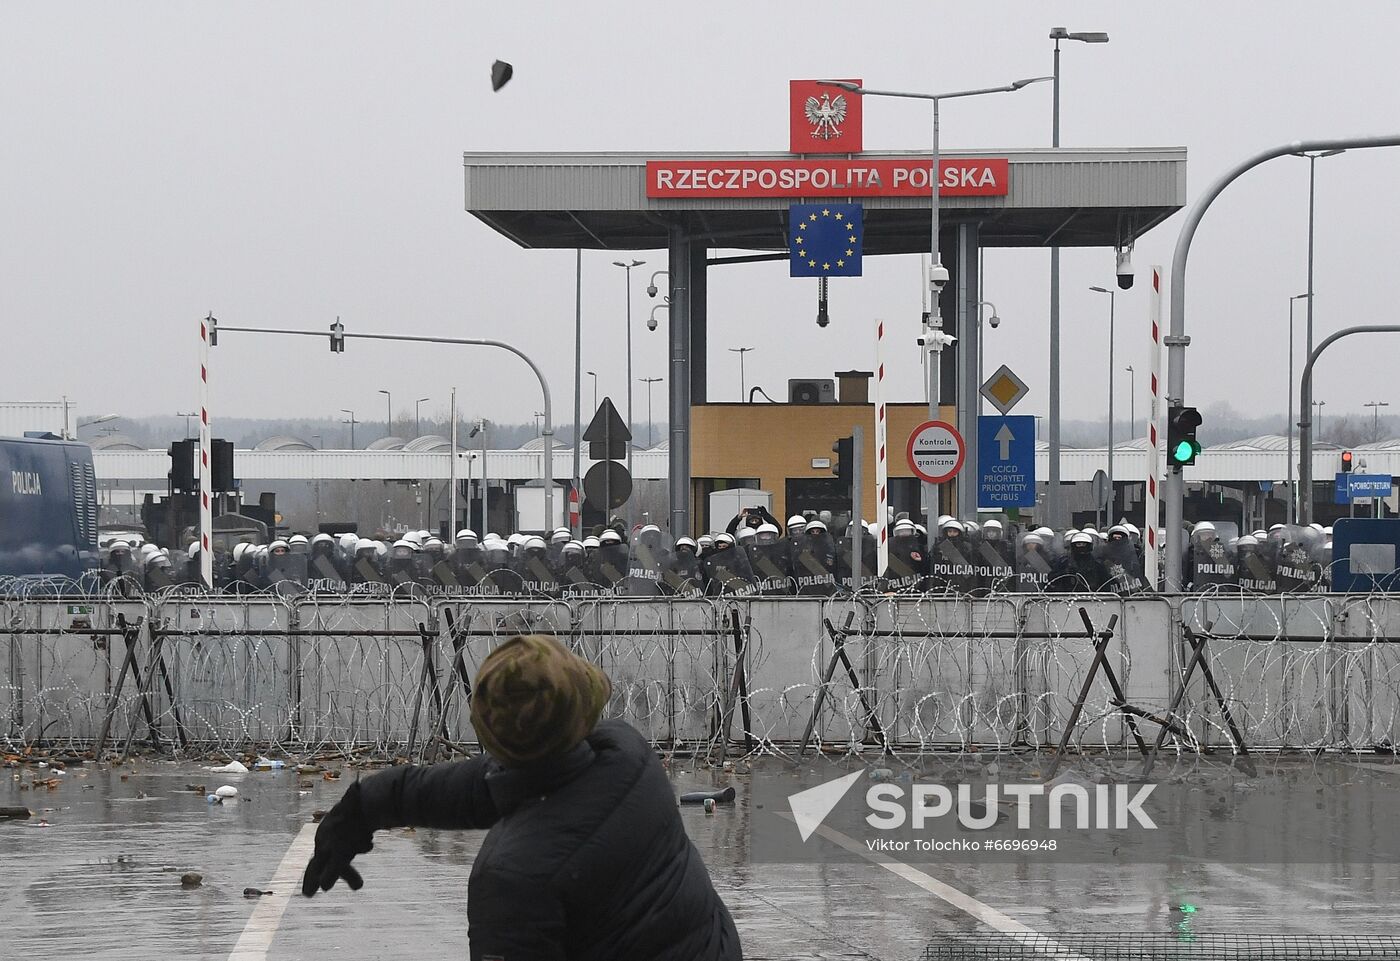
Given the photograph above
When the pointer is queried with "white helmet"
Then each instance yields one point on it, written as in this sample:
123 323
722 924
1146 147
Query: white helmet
573 547
1118 529
726 538
533 543
465 533
1131 529
745 532
349 542
993 524
297 539
903 526
816 525
764 528
277 545
1081 537
590 542
1248 540
686 542
795 523
322 539
705 541
951 524
363 544
193 549
943 519
1045 533
1202 527
239 550
1033 538
610 536
561 535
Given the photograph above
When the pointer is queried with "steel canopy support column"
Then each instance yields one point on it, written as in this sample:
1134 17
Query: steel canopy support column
697 316
967 294
678 457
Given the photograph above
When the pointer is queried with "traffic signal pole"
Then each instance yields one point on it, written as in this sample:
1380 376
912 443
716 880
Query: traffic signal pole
338 336
1174 486
1305 508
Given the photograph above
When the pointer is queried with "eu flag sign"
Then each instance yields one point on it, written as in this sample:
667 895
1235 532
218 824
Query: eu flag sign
825 239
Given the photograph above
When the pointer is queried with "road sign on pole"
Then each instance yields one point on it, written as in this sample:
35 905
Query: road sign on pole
1351 486
1005 461
936 451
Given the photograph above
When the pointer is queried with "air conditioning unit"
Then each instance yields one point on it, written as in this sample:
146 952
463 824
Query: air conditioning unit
811 392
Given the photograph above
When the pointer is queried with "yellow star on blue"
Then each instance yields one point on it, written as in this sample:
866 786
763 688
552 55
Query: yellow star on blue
825 240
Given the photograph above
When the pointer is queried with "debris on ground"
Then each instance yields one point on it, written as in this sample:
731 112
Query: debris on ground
14 814
191 880
226 791
232 767
254 893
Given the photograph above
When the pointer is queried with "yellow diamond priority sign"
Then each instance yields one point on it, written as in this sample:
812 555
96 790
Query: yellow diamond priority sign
1004 389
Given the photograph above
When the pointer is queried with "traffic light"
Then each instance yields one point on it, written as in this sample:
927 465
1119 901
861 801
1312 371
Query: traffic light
1346 462
845 456
337 337
1182 446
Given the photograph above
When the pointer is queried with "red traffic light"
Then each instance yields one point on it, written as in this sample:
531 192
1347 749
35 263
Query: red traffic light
1346 461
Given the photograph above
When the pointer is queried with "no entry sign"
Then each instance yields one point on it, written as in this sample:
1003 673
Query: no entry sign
936 451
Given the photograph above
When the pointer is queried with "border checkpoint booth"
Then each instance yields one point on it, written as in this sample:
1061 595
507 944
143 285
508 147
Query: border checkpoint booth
691 203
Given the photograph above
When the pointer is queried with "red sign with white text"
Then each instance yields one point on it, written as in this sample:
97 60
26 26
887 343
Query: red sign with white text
822 118
826 178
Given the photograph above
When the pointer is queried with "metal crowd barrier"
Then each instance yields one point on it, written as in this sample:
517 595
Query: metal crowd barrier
907 675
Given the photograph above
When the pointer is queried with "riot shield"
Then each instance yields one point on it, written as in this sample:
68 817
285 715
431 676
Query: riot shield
536 577
727 571
772 567
995 564
814 565
647 563
500 577
1211 562
1122 567
1035 564
869 559
908 565
323 576
1293 570
572 573
286 570
950 568
607 568
1078 571
685 576
1254 570
403 566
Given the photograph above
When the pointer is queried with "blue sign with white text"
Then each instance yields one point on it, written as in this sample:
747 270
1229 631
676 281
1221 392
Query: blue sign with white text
1351 485
1006 461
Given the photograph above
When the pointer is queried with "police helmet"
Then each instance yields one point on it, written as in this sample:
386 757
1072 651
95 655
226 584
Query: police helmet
466 533
725 540
1080 538
533 543
322 539
590 542
744 533
561 535
610 536
297 539
796 523
816 525
951 524
573 547
278 546
686 542
904 528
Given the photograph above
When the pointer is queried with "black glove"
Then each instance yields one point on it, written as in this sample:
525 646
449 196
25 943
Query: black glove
344 833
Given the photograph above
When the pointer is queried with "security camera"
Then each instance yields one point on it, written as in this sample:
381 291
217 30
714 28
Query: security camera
995 321
938 276
651 322
1125 268
651 290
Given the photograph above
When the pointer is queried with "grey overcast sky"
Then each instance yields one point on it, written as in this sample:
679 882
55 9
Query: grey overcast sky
281 164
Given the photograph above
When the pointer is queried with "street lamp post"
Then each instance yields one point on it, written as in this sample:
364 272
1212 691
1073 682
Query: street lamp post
1112 299
105 418
352 422
627 268
1319 404
417 415
1376 406
187 415
1292 494
388 413
934 338
1313 156
594 375
741 351
1052 490
649 381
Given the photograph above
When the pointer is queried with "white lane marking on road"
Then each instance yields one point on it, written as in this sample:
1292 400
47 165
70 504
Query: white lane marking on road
262 926
966 903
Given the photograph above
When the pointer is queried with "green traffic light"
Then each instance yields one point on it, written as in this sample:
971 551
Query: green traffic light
1183 451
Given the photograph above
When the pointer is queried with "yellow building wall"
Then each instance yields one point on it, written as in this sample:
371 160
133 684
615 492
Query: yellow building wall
774 442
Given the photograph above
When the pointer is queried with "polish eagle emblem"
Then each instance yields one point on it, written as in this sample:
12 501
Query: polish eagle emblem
826 116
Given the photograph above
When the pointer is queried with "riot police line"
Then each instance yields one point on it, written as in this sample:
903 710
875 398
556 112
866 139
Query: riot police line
754 556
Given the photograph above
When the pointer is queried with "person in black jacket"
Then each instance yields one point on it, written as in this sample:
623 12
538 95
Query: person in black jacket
585 856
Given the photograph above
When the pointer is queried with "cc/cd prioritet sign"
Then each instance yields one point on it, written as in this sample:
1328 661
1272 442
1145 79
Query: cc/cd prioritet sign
936 451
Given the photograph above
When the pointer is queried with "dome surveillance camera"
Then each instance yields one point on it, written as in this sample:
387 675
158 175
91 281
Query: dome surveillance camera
651 323
1125 268
994 320
651 290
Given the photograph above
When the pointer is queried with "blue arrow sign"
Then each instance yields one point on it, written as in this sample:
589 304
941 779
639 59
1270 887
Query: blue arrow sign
1352 485
1005 461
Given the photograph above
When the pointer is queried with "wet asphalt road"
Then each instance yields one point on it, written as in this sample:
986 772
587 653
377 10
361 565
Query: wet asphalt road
96 873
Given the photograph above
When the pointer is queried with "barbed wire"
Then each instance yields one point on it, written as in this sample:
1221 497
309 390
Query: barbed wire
307 676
